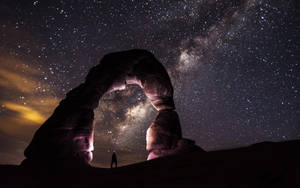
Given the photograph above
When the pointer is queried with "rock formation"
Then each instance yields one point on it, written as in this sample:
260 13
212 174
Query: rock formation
68 134
262 165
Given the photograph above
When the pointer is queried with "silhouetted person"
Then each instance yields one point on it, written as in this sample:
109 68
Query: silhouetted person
114 160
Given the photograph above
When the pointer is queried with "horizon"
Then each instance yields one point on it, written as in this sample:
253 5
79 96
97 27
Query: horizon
234 66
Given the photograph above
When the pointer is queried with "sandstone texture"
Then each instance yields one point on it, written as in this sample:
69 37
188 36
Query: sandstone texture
68 134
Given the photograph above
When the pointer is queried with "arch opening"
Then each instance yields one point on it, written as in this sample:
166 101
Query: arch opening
68 134
120 125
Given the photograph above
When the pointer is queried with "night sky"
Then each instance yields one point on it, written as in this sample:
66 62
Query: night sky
235 67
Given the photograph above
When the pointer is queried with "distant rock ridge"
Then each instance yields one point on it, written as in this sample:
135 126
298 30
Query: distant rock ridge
68 134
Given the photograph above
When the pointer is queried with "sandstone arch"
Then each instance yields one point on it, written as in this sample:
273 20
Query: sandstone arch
68 134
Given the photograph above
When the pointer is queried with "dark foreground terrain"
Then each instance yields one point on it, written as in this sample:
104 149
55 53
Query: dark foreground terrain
260 165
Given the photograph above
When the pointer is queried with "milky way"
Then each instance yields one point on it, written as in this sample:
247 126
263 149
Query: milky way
234 66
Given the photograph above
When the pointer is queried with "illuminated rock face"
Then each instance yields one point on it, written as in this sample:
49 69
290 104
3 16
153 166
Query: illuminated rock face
164 136
68 133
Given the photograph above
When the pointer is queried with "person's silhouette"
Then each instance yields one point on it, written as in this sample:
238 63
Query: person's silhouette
114 160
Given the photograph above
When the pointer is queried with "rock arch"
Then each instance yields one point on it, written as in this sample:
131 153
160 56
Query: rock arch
68 134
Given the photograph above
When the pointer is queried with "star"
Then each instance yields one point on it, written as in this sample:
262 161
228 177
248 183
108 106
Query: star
234 66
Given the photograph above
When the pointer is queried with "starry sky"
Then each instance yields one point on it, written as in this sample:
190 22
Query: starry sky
235 67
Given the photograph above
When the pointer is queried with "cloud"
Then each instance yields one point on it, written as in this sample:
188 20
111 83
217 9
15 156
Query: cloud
15 75
26 100
25 112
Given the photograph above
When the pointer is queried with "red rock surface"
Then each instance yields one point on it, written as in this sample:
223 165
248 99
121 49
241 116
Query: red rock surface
272 165
68 134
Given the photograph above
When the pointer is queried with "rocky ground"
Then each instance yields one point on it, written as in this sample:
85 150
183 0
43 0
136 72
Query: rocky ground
260 165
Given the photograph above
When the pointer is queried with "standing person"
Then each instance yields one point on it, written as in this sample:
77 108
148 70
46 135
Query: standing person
114 160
